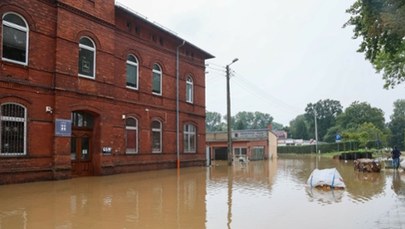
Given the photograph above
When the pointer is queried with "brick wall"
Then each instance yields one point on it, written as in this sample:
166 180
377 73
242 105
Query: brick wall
51 79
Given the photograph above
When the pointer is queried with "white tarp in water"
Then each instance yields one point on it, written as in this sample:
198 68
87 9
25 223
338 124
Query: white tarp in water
326 177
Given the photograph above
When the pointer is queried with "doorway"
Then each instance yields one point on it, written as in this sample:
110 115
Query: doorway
81 144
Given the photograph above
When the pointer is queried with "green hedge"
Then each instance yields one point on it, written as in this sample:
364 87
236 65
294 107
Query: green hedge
323 148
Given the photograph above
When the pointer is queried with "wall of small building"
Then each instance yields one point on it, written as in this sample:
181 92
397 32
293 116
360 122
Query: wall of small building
272 145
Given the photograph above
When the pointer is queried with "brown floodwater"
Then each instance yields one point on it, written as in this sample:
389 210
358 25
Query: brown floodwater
261 194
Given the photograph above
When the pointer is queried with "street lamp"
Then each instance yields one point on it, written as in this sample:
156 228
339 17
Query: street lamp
316 132
228 106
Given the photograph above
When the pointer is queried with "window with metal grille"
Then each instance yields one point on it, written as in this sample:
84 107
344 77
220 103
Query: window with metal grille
13 130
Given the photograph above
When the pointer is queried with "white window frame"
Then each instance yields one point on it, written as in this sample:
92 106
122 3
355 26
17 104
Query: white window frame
14 119
135 64
190 133
155 71
20 28
189 89
93 49
157 130
132 128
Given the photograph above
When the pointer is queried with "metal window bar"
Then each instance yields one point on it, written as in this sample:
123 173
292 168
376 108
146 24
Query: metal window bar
13 130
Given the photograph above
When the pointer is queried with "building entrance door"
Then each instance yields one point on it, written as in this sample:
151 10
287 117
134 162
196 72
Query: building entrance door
81 153
81 144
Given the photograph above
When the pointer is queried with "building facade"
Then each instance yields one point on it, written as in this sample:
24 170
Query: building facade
92 88
250 144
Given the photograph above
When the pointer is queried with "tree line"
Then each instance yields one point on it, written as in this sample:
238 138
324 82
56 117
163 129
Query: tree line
244 120
359 122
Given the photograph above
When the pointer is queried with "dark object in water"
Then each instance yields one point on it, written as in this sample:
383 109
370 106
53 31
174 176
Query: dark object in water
367 165
355 155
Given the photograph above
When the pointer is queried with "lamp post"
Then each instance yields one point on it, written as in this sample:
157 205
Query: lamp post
316 133
228 108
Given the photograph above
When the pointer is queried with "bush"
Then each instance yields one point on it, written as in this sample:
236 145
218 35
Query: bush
323 148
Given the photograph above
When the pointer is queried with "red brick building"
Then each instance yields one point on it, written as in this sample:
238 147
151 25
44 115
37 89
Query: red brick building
88 87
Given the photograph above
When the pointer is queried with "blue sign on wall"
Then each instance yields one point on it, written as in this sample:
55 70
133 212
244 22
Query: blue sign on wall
63 127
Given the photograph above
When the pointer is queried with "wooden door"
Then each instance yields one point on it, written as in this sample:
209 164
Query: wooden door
81 153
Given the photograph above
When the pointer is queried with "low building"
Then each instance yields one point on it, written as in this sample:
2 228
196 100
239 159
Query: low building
251 144
92 88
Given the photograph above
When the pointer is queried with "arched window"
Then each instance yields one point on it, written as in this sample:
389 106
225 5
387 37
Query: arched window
189 89
13 133
87 58
132 72
157 80
15 39
131 135
156 137
189 138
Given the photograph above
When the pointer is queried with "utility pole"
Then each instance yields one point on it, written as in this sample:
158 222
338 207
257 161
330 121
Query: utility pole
228 108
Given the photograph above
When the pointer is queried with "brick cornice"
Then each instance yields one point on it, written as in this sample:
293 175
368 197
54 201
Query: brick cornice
84 14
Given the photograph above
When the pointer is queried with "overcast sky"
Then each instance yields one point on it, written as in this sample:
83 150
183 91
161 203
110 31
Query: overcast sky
291 53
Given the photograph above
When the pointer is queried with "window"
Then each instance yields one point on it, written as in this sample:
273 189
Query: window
240 152
156 137
13 129
189 138
189 89
82 120
157 80
15 39
132 72
131 135
87 58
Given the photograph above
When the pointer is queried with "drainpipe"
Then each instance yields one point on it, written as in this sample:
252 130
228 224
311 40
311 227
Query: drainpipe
178 106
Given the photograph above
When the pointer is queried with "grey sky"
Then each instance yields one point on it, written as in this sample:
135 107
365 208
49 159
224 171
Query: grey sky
291 53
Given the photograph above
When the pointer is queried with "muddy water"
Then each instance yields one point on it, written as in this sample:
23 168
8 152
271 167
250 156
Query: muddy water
269 194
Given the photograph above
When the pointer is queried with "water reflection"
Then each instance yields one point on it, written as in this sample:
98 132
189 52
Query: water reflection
260 194
326 197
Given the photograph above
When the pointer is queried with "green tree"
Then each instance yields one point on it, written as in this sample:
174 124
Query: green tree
277 126
397 124
299 128
326 112
358 113
364 133
249 120
380 24
213 122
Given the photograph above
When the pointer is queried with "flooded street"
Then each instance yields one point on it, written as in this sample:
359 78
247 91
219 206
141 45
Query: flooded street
262 194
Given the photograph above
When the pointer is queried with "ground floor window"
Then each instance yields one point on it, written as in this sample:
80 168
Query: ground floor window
156 137
131 135
189 138
13 129
257 153
240 152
